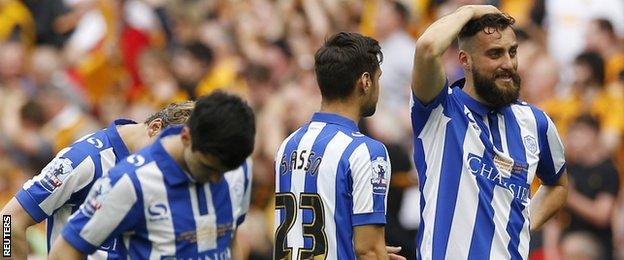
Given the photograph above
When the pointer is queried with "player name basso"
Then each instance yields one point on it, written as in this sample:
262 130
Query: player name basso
519 189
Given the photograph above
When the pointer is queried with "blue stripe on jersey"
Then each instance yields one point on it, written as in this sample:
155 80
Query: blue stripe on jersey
452 162
223 204
179 201
201 199
421 168
318 148
344 204
545 167
119 147
516 150
496 137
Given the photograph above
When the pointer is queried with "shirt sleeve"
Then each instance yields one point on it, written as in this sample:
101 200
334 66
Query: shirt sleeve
420 112
370 172
247 169
68 173
111 208
551 159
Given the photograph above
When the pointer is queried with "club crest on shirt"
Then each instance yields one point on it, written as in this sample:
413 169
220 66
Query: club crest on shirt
380 176
530 144
94 200
55 173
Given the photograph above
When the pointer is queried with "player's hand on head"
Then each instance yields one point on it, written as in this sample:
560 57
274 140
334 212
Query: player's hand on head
481 10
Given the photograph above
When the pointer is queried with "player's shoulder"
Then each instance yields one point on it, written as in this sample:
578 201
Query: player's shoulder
89 145
367 147
131 164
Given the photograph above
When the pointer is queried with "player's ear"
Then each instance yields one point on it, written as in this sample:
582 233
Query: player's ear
186 136
366 82
464 60
154 127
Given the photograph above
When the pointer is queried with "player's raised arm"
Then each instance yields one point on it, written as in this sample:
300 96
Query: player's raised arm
428 72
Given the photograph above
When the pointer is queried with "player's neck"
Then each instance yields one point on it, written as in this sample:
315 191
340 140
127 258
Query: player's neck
469 89
134 136
175 148
345 109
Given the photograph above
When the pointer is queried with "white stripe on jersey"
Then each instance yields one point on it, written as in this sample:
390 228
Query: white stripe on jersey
205 225
362 203
298 184
80 177
160 232
528 125
327 189
502 207
108 159
554 142
236 185
60 219
503 133
118 200
465 213
278 158
432 136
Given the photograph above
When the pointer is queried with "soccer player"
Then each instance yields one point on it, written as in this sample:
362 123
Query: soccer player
331 180
64 183
477 147
173 199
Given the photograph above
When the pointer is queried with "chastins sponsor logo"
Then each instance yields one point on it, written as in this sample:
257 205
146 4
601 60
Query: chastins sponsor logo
509 180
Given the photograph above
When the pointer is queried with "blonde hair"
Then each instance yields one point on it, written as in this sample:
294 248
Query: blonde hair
173 114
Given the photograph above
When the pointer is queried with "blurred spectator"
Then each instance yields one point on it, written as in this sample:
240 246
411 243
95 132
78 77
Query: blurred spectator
581 246
601 38
16 22
588 94
594 183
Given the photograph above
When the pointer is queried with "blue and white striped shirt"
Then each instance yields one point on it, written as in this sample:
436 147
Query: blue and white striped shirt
64 183
475 165
329 179
160 211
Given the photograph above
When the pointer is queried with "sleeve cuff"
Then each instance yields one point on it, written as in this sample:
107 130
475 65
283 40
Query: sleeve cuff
30 205
74 239
368 219
551 180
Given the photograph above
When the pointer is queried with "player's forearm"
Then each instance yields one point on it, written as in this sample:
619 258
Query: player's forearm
62 250
548 200
372 254
19 244
441 34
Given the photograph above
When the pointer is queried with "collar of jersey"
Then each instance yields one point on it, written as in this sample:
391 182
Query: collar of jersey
172 172
331 118
119 147
471 103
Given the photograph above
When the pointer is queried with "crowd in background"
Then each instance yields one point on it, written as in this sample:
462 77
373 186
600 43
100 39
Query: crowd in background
69 67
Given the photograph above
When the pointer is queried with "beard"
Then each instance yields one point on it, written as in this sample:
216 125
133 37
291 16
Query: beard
495 95
369 109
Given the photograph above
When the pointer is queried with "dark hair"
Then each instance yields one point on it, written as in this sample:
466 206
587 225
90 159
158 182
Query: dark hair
606 26
589 120
401 10
342 60
488 23
595 63
201 52
223 126
173 114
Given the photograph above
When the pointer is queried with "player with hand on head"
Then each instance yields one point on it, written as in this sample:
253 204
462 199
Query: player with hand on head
477 147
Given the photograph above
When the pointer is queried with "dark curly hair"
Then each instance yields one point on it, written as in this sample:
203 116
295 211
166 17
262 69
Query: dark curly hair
489 23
